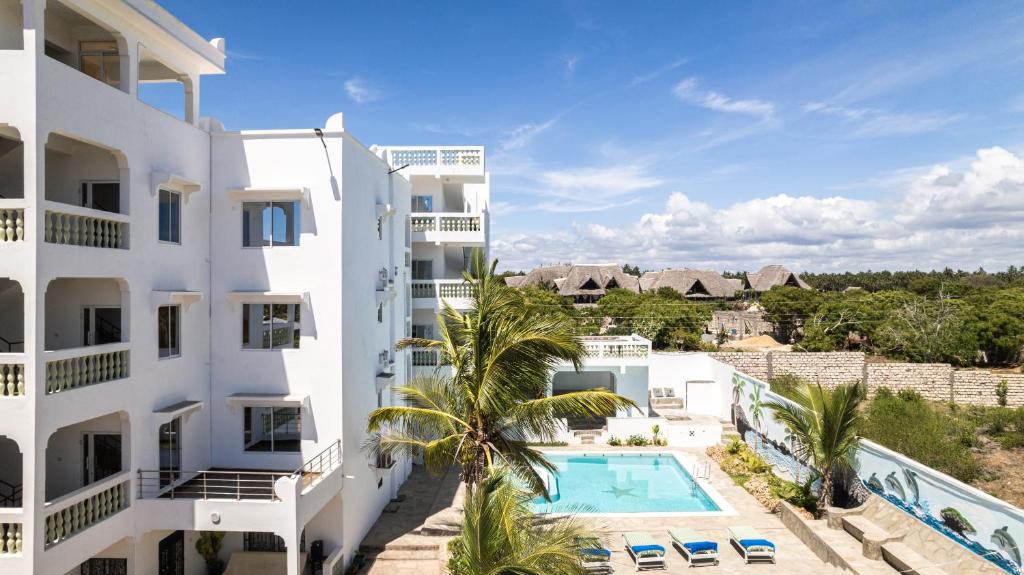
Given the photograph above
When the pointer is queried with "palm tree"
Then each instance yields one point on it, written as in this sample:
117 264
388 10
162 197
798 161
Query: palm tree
738 383
824 423
494 398
756 414
500 536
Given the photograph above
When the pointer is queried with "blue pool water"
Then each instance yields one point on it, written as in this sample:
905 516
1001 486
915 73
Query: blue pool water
596 483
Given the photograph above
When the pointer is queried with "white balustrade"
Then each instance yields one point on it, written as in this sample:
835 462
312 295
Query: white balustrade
80 371
447 222
424 357
12 379
423 289
12 225
465 157
456 289
626 347
423 223
410 157
10 539
84 511
460 224
440 159
84 230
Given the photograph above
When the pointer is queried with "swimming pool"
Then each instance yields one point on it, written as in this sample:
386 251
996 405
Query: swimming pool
603 483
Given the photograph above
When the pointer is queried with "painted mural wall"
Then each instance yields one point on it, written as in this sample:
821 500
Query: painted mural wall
984 524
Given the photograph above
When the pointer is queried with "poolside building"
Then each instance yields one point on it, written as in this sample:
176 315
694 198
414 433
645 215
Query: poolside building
195 322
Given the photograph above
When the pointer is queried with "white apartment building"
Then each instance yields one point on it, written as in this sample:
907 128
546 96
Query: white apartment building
450 217
194 323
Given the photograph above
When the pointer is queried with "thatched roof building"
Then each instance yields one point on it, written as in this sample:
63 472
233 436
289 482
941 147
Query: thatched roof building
771 276
692 284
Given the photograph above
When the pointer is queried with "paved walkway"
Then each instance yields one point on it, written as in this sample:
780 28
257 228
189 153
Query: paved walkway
433 505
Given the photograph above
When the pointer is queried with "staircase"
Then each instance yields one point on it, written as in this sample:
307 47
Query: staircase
412 555
729 432
588 436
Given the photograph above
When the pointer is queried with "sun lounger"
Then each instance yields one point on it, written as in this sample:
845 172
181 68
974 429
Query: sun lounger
644 551
594 556
751 544
695 548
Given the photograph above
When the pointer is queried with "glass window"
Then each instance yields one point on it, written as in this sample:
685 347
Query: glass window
101 61
267 224
272 428
423 331
168 336
104 196
170 217
422 269
270 326
170 451
422 204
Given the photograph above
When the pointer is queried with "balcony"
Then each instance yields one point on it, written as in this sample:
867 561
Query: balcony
11 539
78 511
437 161
448 227
73 226
74 368
12 221
428 294
616 350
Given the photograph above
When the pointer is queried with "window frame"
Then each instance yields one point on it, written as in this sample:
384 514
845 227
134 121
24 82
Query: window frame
296 213
269 428
176 331
159 226
294 325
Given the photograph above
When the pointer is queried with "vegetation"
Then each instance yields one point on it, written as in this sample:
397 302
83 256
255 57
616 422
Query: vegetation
208 546
824 423
494 402
665 317
959 323
743 465
906 423
926 283
500 535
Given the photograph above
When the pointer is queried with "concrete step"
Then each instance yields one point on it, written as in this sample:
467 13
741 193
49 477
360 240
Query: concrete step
406 542
399 555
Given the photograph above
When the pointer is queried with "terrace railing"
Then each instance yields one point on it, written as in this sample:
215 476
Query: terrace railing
12 225
438 160
424 357
80 229
320 464
617 347
12 379
209 484
86 507
81 367
10 539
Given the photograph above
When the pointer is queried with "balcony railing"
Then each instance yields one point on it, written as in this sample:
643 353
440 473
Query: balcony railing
424 357
617 347
209 484
437 290
12 225
77 512
70 227
12 379
438 160
320 464
81 367
10 539
447 226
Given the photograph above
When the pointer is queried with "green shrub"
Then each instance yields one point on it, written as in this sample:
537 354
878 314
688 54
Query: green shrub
614 441
1002 390
906 423
637 440
735 446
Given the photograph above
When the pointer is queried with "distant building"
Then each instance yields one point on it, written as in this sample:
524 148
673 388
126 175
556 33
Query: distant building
739 324
585 284
692 284
772 276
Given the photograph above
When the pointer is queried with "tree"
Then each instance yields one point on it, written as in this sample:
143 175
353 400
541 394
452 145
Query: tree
631 270
923 330
787 308
757 414
500 536
824 423
483 409
208 546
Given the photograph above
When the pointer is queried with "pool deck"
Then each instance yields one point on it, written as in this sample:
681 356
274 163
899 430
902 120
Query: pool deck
428 497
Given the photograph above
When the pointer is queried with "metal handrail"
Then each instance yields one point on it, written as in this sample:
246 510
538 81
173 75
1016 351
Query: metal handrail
11 344
209 484
319 464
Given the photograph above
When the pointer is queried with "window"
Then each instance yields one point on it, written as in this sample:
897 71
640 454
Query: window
170 217
380 313
104 196
168 335
101 61
422 204
170 451
380 228
268 224
423 331
270 326
422 269
272 429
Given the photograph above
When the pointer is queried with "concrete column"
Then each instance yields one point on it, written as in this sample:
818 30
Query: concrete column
191 86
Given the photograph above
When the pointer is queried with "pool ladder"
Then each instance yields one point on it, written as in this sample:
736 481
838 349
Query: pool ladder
702 470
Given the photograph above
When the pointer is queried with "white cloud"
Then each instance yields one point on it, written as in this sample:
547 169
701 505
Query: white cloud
965 218
362 91
521 135
873 122
598 183
690 92
654 75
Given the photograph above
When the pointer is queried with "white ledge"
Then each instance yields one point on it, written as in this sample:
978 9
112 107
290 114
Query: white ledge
268 399
239 297
183 298
175 410
174 183
269 194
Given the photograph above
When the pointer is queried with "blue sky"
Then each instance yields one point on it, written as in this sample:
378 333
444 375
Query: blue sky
724 135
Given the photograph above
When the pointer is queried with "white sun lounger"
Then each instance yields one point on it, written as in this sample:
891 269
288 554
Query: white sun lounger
695 548
752 545
644 550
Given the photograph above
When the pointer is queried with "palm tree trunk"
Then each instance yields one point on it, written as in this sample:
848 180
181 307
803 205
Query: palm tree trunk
825 495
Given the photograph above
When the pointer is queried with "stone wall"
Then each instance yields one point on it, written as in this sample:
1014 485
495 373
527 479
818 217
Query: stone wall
829 369
752 363
978 387
935 381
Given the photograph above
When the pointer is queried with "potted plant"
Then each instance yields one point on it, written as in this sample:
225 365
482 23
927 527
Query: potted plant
208 546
